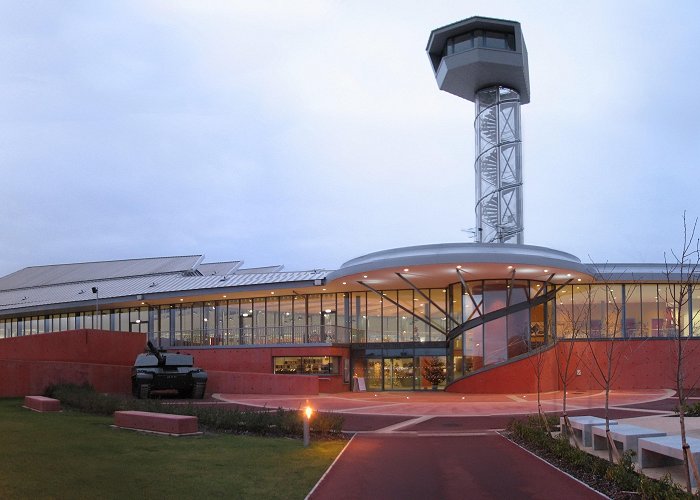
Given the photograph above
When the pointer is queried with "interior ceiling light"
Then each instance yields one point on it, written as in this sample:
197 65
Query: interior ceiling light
364 276
511 267
459 267
546 270
344 283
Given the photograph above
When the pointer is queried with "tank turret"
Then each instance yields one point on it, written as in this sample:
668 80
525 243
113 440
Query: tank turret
156 370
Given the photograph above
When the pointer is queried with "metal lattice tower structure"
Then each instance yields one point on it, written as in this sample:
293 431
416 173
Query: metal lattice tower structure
485 61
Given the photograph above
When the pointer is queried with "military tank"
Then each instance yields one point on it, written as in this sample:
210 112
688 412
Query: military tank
156 370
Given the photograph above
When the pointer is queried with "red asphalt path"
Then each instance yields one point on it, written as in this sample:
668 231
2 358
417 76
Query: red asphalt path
390 466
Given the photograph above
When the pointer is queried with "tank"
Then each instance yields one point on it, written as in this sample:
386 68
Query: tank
156 370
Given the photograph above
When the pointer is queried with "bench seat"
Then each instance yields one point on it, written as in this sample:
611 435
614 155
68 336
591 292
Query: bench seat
665 451
625 436
41 403
582 427
164 423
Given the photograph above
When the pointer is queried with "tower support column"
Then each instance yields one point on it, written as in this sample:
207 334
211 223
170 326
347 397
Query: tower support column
498 166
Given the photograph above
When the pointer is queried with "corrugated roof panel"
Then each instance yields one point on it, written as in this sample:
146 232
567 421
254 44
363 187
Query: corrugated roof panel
258 270
68 293
73 273
219 268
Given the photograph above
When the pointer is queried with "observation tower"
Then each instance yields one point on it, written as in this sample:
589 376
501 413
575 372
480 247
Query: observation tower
484 61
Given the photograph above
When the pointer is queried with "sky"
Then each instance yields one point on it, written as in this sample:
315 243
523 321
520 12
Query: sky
309 133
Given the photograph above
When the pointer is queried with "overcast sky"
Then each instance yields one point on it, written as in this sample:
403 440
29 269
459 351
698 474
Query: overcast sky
308 133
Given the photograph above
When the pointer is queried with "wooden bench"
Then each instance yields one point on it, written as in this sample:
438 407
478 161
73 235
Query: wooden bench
41 403
582 427
160 423
625 436
665 451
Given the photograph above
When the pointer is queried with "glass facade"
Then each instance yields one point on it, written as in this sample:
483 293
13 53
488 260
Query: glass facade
498 166
391 332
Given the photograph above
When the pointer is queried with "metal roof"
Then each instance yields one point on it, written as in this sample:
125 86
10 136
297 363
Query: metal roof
36 276
612 272
159 286
258 270
219 268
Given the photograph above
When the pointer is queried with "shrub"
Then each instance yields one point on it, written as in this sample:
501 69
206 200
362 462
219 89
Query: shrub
691 410
531 432
84 398
663 489
623 473
279 422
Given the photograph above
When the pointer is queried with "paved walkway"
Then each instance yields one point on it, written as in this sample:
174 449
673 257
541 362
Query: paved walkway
445 467
445 445
365 412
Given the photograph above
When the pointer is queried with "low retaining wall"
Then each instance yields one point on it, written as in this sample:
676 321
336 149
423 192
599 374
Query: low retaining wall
260 383
103 359
162 423
19 378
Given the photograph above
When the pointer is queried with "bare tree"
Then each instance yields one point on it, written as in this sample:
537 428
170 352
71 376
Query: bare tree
575 325
605 365
537 361
682 271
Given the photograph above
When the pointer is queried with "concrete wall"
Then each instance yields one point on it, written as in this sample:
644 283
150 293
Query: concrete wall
638 363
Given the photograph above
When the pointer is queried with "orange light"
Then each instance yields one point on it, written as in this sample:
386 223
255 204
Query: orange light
308 411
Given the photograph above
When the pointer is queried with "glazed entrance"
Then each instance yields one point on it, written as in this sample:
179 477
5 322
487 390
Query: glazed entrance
397 373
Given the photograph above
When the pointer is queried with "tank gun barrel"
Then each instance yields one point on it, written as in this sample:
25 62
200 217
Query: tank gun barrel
156 353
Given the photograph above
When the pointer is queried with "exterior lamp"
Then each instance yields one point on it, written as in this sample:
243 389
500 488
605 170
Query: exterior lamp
95 290
308 411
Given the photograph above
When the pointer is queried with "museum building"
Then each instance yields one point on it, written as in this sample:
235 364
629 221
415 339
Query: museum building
481 308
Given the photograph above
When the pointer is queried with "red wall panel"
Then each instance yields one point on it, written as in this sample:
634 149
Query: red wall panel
104 359
637 363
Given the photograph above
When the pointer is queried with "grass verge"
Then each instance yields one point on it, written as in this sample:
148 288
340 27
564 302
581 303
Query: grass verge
76 455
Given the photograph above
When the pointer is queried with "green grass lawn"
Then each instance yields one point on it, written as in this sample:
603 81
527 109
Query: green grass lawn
74 455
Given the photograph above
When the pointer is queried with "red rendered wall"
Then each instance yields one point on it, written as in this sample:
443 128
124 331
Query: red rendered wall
104 359
639 363
260 383
259 360
643 364
515 377
93 346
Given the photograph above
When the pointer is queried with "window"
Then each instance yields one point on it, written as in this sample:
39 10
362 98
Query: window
480 38
306 365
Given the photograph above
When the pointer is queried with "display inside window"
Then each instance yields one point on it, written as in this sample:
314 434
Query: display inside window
306 365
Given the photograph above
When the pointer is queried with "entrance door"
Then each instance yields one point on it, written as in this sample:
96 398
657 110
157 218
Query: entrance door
373 374
398 374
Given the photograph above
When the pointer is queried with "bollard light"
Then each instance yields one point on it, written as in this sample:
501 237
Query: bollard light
308 411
